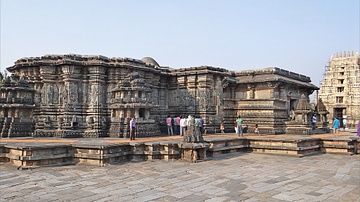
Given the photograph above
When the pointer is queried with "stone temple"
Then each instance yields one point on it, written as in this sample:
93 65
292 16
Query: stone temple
340 88
95 96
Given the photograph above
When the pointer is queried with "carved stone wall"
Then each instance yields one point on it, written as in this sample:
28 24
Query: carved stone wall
88 96
16 107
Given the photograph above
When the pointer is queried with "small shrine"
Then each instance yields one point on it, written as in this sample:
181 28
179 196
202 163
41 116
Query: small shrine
131 98
299 122
16 107
322 113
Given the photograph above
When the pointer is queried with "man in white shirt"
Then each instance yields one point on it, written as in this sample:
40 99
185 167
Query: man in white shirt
182 126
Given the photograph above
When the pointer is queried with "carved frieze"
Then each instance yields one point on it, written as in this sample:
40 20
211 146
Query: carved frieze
90 89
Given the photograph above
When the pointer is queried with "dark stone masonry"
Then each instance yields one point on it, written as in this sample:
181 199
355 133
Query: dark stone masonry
95 96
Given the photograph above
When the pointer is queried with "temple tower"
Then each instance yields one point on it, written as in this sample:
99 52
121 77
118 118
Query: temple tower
340 88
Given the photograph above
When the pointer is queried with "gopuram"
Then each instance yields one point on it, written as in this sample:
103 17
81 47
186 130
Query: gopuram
340 88
95 96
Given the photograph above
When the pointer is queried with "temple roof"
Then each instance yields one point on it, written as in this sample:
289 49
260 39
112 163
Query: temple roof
272 74
150 60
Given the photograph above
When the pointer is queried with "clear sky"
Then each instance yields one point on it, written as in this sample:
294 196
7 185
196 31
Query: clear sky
297 35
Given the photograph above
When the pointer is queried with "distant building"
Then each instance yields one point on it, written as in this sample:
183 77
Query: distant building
340 89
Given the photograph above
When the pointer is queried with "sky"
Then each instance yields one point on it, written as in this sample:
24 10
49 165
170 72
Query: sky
298 36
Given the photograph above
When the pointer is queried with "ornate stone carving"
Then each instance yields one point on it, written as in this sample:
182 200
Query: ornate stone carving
273 84
50 94
104 92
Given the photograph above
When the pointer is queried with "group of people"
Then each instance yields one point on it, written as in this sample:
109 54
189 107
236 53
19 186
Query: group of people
239 130
177 125
336 126
336 123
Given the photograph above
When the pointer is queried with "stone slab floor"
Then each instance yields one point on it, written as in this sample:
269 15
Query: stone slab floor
231 177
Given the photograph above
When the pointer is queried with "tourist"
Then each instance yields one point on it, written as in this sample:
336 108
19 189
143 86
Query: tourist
358 132
197 126
190 123
177 125
222 127
182 126
132 128
198 131
336 125
256 129
239 123
169 125
201 125
344 123
313 121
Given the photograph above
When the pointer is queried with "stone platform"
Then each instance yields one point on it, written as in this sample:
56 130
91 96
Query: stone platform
27 153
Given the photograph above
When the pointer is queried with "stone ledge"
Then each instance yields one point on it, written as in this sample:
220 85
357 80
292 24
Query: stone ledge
32 156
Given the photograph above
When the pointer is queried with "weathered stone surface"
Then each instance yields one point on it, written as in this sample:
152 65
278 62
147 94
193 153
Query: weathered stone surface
340 88
95 96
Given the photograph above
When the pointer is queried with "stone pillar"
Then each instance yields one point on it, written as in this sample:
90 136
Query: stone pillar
128 113
70 94
282 92
251 91
272 88
192 85
47 74
233 92
122 113
97 90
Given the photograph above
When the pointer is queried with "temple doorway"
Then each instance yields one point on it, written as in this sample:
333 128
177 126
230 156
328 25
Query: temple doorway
142 112
338 113
293 104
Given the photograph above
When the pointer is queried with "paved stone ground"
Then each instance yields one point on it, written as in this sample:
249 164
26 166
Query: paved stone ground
231 177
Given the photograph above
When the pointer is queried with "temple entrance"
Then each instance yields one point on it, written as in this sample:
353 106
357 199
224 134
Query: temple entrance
293 104
338 113
5 112
142 112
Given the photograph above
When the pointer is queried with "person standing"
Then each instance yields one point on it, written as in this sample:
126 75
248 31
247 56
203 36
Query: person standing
177 125
336 125
201 125
358 132
198 132
344 123
313 122
197 126
169 125
222 127
256 129
132 128
239 123
182 126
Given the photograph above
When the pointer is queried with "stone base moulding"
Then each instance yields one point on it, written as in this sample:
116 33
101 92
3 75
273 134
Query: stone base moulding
28 156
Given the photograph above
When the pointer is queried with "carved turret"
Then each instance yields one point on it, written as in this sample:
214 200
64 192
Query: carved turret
16 106
302 109
323 112
131 98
